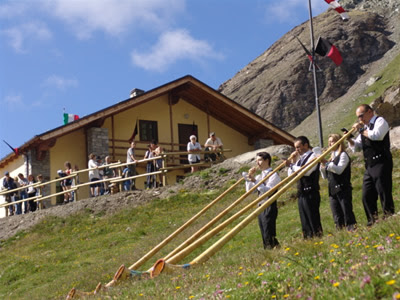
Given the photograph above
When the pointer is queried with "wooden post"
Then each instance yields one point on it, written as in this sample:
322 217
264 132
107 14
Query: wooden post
164 164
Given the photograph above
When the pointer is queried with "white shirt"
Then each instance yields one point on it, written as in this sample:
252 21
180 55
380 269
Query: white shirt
94 173
217 142
191 146
381 128
266 186
337 169
295 167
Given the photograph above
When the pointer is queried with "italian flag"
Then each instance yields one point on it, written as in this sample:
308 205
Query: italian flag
68 118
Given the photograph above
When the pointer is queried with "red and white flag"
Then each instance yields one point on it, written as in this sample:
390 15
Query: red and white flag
336 6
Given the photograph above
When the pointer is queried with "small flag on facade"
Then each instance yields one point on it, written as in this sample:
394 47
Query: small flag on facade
325 48
135 132
68 118
336 6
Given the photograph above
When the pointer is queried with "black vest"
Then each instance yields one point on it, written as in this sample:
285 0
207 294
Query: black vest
340 182
308 184
376 151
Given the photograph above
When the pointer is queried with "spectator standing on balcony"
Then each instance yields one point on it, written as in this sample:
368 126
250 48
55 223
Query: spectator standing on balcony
131 158
93 175
31 193
214 145
39 191
150 180
159 162
107 173
8 185
23 193
193 148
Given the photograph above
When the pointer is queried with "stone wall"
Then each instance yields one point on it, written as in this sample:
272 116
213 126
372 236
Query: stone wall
36 167
97 141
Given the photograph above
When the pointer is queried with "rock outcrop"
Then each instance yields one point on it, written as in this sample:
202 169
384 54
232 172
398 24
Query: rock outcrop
278 85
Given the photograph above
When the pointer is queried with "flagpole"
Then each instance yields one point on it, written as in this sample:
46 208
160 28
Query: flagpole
321 141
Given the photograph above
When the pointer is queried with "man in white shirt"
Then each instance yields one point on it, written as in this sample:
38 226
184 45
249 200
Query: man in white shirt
266 219
213 144
131 158
374 141
309 198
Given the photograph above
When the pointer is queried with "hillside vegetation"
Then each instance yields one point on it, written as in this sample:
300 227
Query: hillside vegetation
85 248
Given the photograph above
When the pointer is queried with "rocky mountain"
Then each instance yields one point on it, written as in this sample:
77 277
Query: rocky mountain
278 85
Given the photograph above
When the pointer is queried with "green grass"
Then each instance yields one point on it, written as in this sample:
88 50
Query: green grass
84 249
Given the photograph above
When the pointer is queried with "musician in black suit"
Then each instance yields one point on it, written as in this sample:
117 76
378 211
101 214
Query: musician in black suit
374 141
307 188
338 172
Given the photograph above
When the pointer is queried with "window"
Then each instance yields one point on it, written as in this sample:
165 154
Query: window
148 130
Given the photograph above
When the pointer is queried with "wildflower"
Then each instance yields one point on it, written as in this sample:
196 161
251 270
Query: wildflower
287 249
398 271
260 274
297 253
273 296
316 277
286 296
366 280
240 268
289 264
191 297
334 246
240 273
396 295
246 283
263 264
141 295
227 296
391 282
321 242
264 283
178 287
332 260
336 284
239 285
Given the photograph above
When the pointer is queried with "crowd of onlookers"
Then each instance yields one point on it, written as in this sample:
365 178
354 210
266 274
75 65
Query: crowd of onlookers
98 171
30 193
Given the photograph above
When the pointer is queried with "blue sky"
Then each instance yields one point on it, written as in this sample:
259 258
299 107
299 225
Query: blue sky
85 55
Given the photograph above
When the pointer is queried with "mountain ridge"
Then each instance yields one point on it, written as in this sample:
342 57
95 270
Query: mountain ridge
278 86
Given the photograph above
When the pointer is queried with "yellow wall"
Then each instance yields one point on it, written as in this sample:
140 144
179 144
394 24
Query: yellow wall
72 148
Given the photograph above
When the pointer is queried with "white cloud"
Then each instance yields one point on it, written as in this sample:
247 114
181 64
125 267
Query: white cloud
171 47
59 82
13 9
18 35
287 11
113 16
13 100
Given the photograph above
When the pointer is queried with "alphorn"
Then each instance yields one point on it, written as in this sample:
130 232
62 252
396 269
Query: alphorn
168 266
192 242
124 272
121 272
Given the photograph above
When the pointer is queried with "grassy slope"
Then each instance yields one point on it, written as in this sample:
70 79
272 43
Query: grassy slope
84 249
